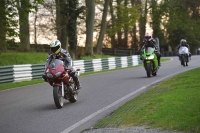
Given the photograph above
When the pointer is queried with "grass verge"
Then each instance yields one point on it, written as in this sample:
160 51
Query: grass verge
172 105
16 58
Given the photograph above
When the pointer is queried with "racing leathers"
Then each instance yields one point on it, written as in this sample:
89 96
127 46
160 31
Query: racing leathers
186 45
152 43
68 64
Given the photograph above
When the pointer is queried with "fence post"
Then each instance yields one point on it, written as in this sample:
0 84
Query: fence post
130 52
115 51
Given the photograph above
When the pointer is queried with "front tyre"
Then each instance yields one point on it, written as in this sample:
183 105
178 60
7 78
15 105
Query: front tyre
182 60
57 95
148 69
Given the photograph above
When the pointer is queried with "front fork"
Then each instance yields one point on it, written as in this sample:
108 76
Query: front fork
62 89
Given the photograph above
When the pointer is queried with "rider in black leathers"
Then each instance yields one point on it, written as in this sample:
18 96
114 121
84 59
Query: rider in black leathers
150 42
63 55
183 42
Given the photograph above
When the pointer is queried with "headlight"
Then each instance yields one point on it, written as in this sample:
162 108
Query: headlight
150 57
58 74
49 75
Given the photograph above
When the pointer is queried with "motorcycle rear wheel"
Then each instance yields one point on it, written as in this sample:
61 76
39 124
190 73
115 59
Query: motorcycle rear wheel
58 98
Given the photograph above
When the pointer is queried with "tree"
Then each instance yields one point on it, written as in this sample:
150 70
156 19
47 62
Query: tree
61 21
103 27
155 22
143 20
74 12
8 23
90 12
123 18
3 23
24 8
180 21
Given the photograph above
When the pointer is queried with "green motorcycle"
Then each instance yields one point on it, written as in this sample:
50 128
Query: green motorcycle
150 61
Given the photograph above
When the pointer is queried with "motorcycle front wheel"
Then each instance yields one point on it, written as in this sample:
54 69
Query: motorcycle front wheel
57 95
148 67
182 60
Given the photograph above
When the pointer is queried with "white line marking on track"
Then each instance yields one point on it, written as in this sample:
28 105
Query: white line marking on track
116 102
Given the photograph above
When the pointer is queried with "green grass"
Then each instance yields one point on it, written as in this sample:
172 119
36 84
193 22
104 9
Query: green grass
16 58
6 86
95 57
173 105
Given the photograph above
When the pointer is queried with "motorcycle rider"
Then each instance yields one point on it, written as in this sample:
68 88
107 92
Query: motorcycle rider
183 42
63 55
151 42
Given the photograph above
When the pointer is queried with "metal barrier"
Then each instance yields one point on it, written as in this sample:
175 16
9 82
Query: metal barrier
18 73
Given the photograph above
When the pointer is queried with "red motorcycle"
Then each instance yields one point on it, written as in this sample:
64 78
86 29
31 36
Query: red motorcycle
63 85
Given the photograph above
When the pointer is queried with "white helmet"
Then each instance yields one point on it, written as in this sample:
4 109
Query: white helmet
183 42
148 37
55 46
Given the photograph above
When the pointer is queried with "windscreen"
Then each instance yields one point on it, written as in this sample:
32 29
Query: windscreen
149 49
55 62
183 50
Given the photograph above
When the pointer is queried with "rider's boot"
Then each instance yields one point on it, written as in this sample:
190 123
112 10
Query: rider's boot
77 82
158 57
186 64
159 64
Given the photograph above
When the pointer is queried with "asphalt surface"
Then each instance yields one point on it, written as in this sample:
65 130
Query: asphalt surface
31 109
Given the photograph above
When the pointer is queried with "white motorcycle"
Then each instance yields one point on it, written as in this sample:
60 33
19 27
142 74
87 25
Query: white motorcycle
184 55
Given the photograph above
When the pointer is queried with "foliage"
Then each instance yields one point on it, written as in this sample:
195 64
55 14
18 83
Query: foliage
126 18
155 23
9 17
9 23
180 21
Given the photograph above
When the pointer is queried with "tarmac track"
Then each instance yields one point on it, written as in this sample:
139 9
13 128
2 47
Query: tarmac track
31 109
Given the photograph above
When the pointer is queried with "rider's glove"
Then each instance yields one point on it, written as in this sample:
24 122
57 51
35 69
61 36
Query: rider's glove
44 77
68 68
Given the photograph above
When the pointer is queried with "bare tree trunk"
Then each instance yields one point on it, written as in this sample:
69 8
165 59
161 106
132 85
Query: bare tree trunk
134 45
134 38
113 21
35 29
142 23
125 42
103 27
72 27
61 21
90 6
119 33
23 6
